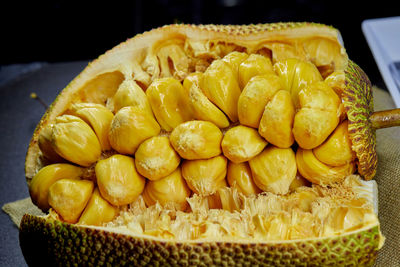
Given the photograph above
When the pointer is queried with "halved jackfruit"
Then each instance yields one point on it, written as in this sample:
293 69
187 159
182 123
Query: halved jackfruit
211 76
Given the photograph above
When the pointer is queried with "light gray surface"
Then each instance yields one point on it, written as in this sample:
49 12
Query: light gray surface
19 115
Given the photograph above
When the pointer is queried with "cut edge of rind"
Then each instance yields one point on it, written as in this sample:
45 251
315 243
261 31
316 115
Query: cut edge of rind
61 241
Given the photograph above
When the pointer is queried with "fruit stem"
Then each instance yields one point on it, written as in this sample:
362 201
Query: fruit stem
385 118
36 97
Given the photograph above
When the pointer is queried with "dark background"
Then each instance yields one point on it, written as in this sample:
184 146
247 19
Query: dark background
54 31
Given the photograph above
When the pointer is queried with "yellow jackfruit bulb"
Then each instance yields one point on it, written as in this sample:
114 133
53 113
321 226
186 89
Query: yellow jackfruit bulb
298 182
46 146
239 176
98 211
277 120
68 197
169 103
295 75
202 107
118 181
98 117
336 150
130 127
255 95
197 140
234 59
274 169
254 65
318 116
317 172
191 79
129 93
74 140
48 175
242 143
205 176
171 190
155 158
336 80
219 84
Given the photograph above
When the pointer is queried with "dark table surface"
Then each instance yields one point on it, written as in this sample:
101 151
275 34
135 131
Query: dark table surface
19 115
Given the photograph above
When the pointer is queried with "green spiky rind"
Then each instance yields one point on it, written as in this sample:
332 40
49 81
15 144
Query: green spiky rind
50 242
358 102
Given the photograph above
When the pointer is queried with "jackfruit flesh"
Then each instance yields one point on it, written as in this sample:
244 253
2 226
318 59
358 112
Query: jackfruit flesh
230 146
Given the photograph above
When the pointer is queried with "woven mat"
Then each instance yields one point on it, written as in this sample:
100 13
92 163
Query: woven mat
387 177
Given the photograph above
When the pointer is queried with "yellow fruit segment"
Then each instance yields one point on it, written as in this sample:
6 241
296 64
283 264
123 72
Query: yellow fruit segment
98 117
155 158
274 169
118 181
242 143
336 81
46 176
336 150
197 140
129 93
277 120
169 102
234 59
295 75
130 127
255 95
45 144
220 86
318 116
171 189
205 176
239 176
74 140
68 197
98 211
317 172
254 65
202 107
299 181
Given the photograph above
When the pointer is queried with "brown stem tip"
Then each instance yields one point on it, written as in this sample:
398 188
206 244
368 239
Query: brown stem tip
385 118
36 97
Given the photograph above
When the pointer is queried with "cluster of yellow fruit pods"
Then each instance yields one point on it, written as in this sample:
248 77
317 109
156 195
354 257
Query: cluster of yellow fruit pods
225 136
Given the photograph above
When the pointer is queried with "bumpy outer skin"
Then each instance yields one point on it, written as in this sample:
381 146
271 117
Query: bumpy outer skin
358 102
46 242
